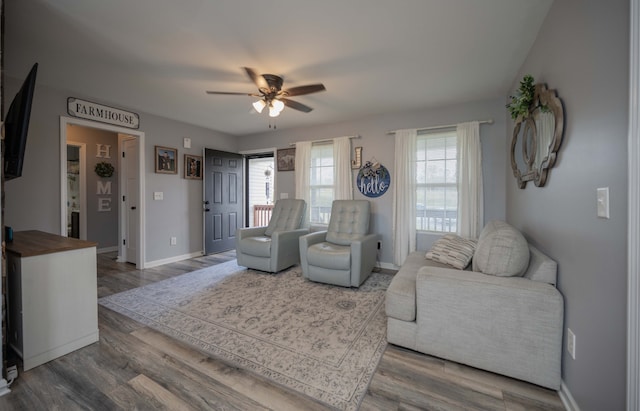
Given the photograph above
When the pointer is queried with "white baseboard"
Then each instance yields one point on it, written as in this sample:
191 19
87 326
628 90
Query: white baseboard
156 263
567 399
387 266
4 387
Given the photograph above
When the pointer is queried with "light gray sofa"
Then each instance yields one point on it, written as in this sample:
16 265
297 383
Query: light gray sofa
509 322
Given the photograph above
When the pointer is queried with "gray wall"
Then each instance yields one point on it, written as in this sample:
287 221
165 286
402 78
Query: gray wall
378 144
582 52
102 226
33 200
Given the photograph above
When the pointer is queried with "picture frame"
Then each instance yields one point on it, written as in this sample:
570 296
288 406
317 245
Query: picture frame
192 167
356 163
166 160
286 159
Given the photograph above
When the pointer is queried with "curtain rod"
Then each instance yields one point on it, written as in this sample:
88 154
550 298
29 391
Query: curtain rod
489 121
324 140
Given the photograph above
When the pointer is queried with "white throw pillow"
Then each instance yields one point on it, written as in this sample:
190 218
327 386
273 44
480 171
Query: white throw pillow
452 250
502 250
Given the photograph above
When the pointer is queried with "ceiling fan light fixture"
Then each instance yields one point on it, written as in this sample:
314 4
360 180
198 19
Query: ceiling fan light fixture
278 105
259 105
275 107
273 112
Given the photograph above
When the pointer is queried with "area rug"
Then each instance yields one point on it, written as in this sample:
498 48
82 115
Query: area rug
320 340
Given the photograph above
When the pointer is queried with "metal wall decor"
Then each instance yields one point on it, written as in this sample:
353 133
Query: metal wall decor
373 179
537 137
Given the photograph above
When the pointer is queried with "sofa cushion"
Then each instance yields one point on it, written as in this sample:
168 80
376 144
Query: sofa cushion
452 250
287 215
328 255
349 221
400 299
259 246
501 250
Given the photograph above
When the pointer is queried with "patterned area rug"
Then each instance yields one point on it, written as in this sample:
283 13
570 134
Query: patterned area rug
317 339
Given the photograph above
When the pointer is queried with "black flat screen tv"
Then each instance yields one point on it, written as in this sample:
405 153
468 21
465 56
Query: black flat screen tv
16 126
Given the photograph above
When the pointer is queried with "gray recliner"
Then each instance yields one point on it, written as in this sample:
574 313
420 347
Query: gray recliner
274 247
345 254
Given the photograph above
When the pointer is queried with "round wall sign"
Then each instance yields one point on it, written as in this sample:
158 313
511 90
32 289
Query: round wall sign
373 179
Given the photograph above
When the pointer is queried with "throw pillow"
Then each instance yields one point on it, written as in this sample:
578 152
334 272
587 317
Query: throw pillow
452 250
502 250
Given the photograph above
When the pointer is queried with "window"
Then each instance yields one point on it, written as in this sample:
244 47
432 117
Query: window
436 188
321 183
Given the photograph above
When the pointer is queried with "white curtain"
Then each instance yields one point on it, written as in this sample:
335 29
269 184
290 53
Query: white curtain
404 200
470 192
343 188
302 167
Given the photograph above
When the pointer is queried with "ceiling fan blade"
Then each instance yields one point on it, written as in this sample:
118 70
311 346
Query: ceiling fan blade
300 90
295 105
257 79
232 93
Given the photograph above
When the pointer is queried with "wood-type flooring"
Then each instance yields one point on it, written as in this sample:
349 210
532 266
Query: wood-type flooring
133 367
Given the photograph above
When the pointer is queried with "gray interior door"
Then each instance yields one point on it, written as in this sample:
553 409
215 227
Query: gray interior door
222 199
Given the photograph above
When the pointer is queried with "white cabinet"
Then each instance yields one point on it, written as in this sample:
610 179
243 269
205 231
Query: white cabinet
52 296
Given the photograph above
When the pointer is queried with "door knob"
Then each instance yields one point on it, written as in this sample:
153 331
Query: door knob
133 208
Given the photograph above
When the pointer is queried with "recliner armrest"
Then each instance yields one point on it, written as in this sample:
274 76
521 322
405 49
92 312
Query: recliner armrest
250 232
304 243
285 242
363 258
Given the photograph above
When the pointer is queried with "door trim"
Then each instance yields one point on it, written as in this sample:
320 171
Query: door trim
633 218
66 121
83 188
245 194
123 254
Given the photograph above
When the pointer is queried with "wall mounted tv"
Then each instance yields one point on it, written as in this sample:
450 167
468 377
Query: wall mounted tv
16 126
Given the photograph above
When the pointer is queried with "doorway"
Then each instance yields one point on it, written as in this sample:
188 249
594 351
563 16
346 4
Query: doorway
76 190
112 199
260 180
223 182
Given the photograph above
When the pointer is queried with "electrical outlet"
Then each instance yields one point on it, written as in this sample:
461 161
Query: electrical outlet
571 343
174 241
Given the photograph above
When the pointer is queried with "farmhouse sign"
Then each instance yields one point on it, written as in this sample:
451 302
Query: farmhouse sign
105 114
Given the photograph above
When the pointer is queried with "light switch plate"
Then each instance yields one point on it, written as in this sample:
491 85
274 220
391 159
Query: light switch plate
186 142
284 195
158 195
603 202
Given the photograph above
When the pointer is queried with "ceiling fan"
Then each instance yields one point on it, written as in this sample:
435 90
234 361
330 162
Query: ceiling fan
272 95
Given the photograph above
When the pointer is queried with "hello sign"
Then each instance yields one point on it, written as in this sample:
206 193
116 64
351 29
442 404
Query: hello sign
373 179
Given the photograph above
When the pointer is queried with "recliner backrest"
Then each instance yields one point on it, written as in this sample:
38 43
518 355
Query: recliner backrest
349 221
286 216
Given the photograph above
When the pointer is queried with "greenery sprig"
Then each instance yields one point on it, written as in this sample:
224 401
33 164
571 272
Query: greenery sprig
104 169
521 103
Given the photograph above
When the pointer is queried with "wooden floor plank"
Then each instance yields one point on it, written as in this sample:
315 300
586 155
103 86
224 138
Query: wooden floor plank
248 384
148 388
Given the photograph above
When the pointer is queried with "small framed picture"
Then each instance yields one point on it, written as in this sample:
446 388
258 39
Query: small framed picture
166 160
286 158
192 167
357 158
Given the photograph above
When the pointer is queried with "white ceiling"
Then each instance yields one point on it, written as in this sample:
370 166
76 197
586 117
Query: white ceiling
373 56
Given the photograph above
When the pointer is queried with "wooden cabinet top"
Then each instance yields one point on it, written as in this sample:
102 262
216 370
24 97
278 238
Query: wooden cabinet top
32 243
